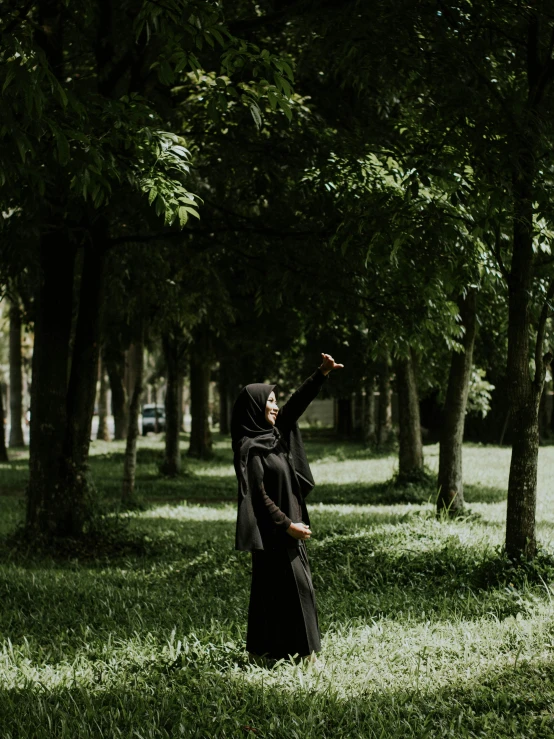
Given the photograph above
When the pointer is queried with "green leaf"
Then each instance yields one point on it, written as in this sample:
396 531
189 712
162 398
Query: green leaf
180 151
159 205
287 70
256 115
21 147
285 107
63 147
9 77
282 84
183 215
215 33
181 63
61 93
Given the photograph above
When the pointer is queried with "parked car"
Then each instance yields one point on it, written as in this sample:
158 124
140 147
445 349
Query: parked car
151 413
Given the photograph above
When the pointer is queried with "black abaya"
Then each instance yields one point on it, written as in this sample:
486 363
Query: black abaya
282 615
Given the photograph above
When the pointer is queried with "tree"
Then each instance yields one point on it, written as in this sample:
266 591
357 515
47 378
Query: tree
369 412
87 95
200 374
115 367
16 377
410 456
470 86
514 71
130 457
173 348
3 450
450 479
384 415
103 430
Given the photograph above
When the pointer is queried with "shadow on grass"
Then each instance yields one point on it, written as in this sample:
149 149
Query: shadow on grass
187 576
213 700
14 476
209 488
380 493
383 493
484 494
150 457
219 488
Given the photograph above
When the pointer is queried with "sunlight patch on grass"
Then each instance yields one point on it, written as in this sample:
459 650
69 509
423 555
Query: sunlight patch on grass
366 470
220 470
190 512
402 656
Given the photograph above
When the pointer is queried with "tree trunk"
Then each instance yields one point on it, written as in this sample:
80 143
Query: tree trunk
369 420
524 392
544 419
115 365
410 458
156 412
16 377
200 372
103 430
344 417
224 411
49 506
136 358
450 480
384 419
81 390
172 461
3 450
181 392
551 422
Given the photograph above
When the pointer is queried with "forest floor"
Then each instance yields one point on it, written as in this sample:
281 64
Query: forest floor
427 630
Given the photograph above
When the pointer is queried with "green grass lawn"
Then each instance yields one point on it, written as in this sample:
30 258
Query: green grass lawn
427 631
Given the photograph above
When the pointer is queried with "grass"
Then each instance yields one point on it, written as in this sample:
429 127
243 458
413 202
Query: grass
428 631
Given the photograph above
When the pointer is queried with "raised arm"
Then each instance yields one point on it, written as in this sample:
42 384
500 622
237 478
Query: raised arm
301 398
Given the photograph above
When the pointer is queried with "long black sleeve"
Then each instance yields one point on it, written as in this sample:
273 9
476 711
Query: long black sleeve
256 473
300 400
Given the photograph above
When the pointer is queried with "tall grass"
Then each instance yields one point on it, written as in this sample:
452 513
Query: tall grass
428 631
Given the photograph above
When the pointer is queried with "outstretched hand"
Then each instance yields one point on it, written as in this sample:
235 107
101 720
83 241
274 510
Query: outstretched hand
328 364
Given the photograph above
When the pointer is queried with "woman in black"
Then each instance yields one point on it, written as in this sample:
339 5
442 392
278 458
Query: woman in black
274 478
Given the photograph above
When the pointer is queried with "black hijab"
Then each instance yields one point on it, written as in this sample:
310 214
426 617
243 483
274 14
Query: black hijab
250 432
249 426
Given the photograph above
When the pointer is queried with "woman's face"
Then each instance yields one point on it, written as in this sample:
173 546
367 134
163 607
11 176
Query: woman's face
271 409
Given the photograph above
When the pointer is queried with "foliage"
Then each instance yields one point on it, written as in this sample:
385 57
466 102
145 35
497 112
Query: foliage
479 396
85 120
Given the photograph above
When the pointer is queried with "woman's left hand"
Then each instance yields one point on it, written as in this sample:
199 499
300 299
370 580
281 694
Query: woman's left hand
328 364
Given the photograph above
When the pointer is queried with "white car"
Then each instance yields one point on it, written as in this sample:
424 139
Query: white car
153 418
